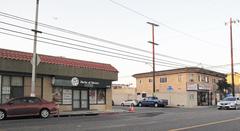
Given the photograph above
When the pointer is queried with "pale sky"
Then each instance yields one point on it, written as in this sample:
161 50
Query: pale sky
192 30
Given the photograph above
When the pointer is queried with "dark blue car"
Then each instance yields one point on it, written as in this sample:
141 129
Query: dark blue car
153 101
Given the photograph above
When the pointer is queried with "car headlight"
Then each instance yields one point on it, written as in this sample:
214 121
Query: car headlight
232 104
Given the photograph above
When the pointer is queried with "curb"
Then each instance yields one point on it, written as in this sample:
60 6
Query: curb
72 115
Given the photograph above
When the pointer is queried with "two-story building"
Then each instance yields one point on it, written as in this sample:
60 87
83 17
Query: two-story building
190 86
236 82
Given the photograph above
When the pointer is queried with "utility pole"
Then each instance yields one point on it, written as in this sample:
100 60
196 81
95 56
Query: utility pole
153 54
231 47
34 58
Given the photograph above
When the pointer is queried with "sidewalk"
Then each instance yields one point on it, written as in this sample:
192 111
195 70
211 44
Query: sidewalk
88 113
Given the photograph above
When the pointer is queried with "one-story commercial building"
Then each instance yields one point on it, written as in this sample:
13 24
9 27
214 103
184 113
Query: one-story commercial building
73 84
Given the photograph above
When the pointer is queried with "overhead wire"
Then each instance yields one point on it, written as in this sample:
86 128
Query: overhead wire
163 24
143 56
90 37
136 59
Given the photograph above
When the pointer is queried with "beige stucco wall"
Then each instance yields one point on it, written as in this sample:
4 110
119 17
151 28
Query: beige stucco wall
172 80
65 107
47 88
108 99
98 107
121 94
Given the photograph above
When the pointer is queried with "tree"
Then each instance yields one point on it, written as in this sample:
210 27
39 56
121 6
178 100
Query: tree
223 88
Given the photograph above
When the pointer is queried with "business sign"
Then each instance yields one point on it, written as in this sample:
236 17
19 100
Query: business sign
82 82
203 87
192 87
6 90
75 81
170 88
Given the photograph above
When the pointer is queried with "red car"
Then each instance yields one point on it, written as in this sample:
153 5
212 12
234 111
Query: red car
27 106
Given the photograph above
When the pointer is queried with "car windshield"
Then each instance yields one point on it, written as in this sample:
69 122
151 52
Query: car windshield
229 99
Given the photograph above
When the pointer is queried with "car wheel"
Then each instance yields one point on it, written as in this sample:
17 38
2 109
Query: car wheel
122 104
2 115
156 105
44 113
140 104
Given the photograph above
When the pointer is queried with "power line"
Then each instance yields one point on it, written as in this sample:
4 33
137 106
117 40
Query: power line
75 40
159 60
161 23
110 55
90 37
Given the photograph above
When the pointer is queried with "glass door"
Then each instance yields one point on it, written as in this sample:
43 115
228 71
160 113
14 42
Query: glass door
80 100
84 99
76 99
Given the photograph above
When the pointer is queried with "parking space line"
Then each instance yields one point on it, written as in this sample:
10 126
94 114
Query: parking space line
207 124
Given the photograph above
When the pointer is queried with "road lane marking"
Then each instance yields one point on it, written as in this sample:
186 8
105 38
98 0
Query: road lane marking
207 124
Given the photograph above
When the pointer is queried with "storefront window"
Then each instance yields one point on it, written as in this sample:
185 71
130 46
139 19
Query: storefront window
93 96
5 89
57 95
0 89
101 97
17 81
67 96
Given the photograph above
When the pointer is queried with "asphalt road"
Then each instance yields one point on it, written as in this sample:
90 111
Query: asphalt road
144 119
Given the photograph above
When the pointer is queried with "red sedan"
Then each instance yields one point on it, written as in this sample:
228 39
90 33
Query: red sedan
27 106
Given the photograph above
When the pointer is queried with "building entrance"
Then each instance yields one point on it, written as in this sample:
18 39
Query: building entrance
203 98
80 100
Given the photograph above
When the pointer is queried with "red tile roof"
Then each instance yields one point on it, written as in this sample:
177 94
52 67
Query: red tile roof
24 56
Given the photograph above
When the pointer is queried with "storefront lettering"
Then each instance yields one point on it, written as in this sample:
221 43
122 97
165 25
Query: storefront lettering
81 82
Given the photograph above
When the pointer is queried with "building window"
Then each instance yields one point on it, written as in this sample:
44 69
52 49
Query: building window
179 78
163 80
149 80
17 81
97 96
202 78
140 81
57 95
206 79
5 89
67 96
101 97
214 80
93 96
0 89
191 76
199 78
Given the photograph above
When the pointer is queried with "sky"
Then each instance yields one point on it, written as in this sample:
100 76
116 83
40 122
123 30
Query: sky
190 30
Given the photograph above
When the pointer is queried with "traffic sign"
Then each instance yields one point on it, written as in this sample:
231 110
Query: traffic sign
170 88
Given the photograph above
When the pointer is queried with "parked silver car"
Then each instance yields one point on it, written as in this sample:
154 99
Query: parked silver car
129 103
229 103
